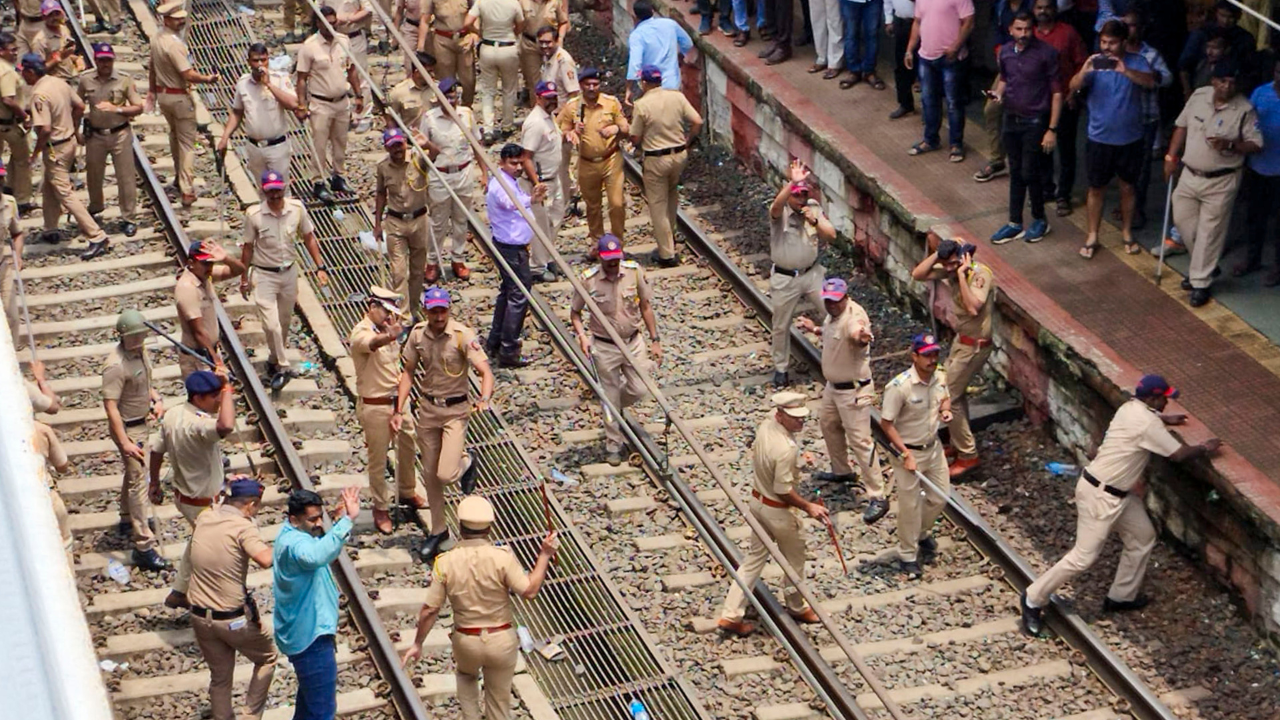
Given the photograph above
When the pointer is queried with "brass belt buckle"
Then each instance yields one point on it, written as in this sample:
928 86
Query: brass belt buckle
439 401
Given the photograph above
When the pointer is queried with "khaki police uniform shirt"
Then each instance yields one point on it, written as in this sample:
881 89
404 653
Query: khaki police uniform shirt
393 179
47 43
1237 121
843 358
377 371
169 59
46 444
1135 432
30 10
410 101
326 63
446 14
541 136
10 84
8 221
195 305
983 284
497 18
477 578
539 14
51 102
127 380
793 242
619 298
118 89
272 234
222 545
607 111
189 437
442 360
913 406
350 7
264 117
775 458
443 132
660 119
563 71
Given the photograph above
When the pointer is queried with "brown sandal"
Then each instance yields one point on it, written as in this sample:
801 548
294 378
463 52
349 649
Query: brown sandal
1088 250
853 79
816 68
875 82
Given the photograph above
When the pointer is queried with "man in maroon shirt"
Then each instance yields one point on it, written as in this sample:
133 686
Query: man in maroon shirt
1071 55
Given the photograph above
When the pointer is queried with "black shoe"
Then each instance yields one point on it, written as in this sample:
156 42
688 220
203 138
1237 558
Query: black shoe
321 191
781 378
95 249
98 27
543 276
1200 297
431 547
928 549
271 369
673 261
900 112
467 483
1032 620
129 228
26 209
825 476
517 361
52 237
280 379
150 560
910 568
338 184
876 509
124 528
1186 284
1109 605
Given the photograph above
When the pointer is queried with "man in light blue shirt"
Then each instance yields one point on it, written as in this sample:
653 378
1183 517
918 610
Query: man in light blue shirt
511 235
655 41
306 598
1262 183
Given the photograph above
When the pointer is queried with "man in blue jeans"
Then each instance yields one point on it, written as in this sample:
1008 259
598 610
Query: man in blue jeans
939 33
306 598
861 33
704 9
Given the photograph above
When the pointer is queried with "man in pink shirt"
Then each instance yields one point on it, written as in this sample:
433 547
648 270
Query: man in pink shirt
939 32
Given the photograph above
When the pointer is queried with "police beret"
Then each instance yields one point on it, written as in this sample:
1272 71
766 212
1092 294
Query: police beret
203 382
244 486
651 73
448 84
588 73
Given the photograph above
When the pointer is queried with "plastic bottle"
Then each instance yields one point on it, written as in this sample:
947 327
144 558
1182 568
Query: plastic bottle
1058 468
526 639
118 572
563 479
306 367
638 711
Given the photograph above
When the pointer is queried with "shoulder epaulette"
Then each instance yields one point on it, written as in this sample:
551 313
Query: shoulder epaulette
590 272
631 264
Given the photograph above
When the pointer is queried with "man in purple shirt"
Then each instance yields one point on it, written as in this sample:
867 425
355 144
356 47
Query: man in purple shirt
1030 92
511 235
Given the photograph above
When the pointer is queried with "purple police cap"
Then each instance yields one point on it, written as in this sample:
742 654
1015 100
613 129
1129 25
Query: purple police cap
434 297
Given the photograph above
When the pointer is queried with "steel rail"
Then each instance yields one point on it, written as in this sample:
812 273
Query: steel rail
1110 669
362 611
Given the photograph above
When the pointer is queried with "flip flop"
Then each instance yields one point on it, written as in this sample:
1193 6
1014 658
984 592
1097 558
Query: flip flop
1088 250
1132 248
921 148
875 82
957 155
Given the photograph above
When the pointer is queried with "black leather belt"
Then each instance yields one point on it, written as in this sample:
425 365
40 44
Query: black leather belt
1212 173
851 384
665 151
413 22
604 339
412 215
921 448
208 614
789 272
498 43
340 98
356 34
56 143
33 18
276 269
531 38
454 168
111 130
1105 488
10 121
445 402
135 422
268 143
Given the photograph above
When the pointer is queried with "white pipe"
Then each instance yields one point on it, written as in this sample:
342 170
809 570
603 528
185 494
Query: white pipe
1264 19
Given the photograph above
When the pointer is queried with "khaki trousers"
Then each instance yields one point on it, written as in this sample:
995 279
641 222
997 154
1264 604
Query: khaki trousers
449 219
19 164
119 147
599 178
495 655
622 385
219 641
275 294
188 365
360 53
786 292
441 439
918 507
531 67
180 112
962 364
9 298
295 10
407 244
64 526
376 421
108 10
845 419
260 160
498 63
1202 211
330 122
550 216
661 180
455 62
189 513
135 503
784 527
993 125
57 192
1098 513
25 38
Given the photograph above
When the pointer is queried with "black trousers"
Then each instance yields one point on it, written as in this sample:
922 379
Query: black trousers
1022 137
511 305
903 78
780 14
1060 187
1262 207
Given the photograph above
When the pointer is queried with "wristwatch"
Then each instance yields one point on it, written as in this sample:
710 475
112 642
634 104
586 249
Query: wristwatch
1053 129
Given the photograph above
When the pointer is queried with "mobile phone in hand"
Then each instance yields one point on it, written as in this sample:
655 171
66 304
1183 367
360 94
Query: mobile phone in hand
1103 62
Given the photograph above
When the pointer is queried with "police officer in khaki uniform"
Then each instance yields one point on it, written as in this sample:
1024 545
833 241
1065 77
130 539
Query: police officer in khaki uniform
113 102
375 348
130 402
194 294
543 153
326 81
406 16
224 615
775 457
1216 130
1109 496
55 44
30 23
293 10
107 15
44 441
452 46
619 287
972 288
435 358
663 125
190 436
594 124
914 403
446 143
848 395
355 20
13 122
559 67
10 261
262 108
412 97
498 23
796 227
478 578
539 14
56 111
270 231
401 196
169 88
